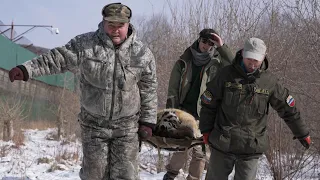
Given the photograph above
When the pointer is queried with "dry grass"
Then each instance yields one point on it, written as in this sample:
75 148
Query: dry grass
44 160
18 139
63 158
4 150
65 155
55 166
18 136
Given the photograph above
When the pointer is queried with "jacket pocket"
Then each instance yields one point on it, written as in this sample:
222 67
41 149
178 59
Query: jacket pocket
231 100
220 140
94 99
130 94
231 95
263 105
228 98
129 79
256 143
97 71
89 119
130 101
260 106
262 141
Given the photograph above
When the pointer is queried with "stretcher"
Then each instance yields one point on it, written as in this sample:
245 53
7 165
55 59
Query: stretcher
176 130
173 144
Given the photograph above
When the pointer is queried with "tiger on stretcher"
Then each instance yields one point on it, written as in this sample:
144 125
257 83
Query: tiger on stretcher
176 130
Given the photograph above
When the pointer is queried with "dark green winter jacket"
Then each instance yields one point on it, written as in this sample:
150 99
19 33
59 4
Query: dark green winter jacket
235 107
181 75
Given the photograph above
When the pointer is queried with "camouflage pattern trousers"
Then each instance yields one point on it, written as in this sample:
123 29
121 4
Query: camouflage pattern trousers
108 155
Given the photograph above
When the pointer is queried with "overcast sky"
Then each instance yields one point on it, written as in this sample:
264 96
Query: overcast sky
72 17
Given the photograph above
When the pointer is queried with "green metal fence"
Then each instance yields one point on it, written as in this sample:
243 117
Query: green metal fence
38 107
12 55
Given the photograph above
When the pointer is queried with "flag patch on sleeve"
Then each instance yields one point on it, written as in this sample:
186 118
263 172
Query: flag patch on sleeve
290 101
206 97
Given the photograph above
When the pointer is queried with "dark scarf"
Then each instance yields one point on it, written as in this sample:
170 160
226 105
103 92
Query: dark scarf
200 58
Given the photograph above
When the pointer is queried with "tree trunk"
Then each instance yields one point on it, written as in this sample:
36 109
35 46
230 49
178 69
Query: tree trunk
8 130
60 122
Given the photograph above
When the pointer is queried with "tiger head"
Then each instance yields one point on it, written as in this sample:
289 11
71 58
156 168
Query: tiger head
166 122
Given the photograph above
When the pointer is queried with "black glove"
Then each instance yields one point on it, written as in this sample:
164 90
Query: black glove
145 130
18 73
305 141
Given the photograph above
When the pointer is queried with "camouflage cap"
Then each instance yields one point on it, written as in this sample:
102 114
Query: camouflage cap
116 12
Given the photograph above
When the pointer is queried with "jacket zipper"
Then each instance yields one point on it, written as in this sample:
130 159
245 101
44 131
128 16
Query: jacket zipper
114 83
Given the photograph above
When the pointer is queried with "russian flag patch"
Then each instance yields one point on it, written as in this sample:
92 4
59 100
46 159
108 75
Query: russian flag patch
290 101
206 97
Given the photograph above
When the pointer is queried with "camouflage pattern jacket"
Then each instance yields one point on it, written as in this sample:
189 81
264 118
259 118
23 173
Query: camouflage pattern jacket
115 83
235 109
181 74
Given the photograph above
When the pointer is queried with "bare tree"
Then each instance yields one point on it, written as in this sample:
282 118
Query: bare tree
65 105
12 112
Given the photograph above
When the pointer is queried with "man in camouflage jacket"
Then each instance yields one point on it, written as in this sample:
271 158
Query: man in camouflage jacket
118 92
235 106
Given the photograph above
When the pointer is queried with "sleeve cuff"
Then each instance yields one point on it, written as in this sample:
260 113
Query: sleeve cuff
221 48
151 125
206 131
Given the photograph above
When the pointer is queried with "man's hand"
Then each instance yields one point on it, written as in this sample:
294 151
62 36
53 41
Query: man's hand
16 74
145 131
205 137
216 39
305 141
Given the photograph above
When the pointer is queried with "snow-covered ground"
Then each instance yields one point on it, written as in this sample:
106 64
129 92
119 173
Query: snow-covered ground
43 158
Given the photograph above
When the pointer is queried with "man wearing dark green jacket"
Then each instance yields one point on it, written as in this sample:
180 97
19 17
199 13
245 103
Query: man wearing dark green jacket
197 66
233 118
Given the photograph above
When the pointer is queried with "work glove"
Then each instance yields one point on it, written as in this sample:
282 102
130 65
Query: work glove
305 141
18 73
205 137
145 130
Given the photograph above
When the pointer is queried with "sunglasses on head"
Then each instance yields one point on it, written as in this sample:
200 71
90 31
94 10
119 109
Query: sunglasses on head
207 41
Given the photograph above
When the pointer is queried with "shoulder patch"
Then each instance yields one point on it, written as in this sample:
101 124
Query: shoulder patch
290 101
206 97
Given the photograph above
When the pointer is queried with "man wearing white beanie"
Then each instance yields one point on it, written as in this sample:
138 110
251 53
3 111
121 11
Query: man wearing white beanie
254 53
235 106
